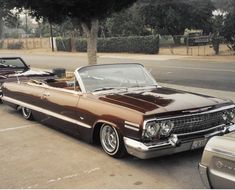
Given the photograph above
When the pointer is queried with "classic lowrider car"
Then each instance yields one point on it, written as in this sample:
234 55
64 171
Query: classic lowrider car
217 167
14 68
123 107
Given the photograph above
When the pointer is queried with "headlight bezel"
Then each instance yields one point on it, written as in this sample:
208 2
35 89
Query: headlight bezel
232 114
228 115
149 127
160 129
163 132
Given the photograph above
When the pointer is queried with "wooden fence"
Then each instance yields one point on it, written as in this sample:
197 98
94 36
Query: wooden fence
29 43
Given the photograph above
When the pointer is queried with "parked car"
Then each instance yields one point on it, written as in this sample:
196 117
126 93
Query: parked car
124 108
14 69
217 167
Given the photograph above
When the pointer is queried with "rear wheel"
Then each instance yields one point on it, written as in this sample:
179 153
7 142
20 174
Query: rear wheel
27 113
112 141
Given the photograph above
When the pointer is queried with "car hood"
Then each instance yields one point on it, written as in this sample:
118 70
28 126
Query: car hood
160 100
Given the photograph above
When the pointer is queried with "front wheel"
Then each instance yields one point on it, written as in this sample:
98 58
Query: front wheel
112 141
27 113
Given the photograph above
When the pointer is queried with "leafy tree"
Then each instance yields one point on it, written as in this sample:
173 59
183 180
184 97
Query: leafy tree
86 12
7 17
228 30
223 4
64 29
174 16
127 23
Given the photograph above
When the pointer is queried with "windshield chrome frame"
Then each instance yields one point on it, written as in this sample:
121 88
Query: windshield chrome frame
82 86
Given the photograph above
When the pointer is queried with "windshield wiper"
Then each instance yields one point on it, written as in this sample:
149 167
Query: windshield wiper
108 88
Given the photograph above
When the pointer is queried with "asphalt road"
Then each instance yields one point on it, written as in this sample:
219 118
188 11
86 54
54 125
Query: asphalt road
218 75
36 156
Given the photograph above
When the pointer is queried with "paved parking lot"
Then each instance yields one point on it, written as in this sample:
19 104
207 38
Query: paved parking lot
36 156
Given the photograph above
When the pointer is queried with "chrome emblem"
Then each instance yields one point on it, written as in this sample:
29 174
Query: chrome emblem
220 165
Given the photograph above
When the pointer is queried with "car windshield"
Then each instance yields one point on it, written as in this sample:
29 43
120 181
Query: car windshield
12 63
119 76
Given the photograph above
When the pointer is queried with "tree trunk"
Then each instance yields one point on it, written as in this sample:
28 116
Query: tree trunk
1 28
91 30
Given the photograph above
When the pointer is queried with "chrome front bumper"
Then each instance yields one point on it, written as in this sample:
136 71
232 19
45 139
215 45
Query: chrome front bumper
171 146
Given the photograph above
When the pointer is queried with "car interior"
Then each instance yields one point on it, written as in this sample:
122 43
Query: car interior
68 83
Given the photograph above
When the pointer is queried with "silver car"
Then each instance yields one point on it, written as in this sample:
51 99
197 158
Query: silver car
217 167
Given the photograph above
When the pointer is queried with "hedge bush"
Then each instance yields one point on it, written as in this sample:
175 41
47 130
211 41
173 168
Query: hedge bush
63 44
15 45
132 44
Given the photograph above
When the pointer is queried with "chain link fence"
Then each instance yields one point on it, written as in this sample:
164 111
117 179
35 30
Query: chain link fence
192 45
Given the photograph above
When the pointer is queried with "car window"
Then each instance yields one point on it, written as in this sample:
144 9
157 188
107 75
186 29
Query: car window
12 63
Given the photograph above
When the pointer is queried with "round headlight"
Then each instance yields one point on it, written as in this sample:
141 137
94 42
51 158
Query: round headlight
225 116
232 114
166 128
152 129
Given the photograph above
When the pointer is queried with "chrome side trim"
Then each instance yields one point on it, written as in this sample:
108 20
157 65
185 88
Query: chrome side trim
132 128
47 112
132 124
223 152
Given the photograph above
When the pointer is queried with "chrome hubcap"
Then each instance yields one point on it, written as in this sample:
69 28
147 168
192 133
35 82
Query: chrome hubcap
26 112
109 138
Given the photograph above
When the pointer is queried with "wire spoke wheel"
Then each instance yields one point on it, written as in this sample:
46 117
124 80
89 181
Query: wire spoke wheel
27 113
112 141
109 139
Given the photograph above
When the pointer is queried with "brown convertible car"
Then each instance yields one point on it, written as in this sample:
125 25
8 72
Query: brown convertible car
124 108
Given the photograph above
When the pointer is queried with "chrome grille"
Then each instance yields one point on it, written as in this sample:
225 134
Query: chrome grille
197 122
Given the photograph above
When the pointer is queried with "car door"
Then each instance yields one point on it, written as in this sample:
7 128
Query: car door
63 112
61 104
29 95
